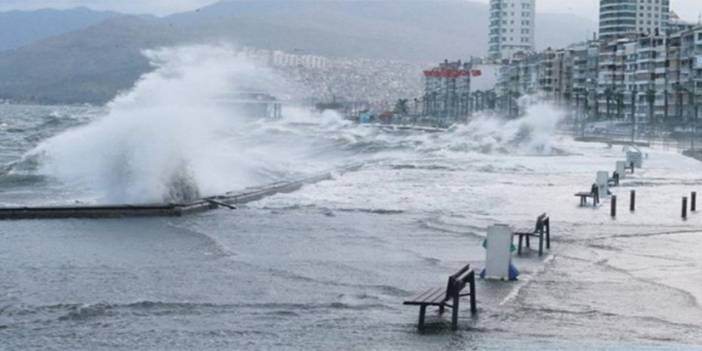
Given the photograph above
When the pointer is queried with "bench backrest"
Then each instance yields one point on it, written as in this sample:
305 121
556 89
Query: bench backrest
458 281
541 222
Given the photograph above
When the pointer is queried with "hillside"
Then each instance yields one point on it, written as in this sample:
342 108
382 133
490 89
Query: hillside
95 63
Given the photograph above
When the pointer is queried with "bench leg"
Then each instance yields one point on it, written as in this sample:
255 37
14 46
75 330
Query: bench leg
528 244
422 312
541 243
454 318
548 236
473 307
441 309
519 249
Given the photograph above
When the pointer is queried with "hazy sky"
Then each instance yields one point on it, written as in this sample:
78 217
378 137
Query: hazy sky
688 9
156 7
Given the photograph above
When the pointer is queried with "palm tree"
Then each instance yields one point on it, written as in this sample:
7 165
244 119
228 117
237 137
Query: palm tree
516 95
665 105
401 107
651 98
608 99
619 97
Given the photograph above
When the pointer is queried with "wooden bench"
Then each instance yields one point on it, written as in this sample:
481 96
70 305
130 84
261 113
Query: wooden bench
542 230
448 297
594 194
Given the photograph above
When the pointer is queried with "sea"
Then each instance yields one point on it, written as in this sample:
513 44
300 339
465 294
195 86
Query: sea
327 267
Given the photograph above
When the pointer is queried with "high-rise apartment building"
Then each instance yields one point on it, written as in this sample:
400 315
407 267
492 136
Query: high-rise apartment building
647 79
619 18
511 27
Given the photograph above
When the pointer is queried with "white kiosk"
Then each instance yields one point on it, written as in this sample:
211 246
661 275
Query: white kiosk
498 252
633 154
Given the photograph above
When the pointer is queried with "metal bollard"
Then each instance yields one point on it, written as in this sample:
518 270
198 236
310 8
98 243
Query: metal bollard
693 202
613 206
632 201
684 208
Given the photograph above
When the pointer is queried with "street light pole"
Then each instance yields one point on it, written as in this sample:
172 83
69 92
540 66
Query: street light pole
577 112
651 99
633 115
585 115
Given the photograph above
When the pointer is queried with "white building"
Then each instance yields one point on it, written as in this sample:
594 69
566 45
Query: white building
625 17
284 59
511 27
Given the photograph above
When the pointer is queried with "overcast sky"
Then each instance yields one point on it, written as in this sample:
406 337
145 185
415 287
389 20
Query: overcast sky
688 9
156 7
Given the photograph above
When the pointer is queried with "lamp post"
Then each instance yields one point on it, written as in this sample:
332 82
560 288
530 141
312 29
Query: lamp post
633 115
509 104
586 114
480 100
580 109
608 97
427 105
577 110
651 98
434 103
666 105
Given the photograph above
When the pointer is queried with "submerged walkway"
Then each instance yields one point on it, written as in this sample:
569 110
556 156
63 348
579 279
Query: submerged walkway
229 200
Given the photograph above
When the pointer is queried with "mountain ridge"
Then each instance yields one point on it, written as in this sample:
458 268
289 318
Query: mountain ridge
93 64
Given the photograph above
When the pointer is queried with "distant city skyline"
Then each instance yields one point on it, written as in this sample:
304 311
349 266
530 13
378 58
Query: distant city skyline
686 9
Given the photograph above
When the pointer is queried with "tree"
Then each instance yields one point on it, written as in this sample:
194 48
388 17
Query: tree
619 97
401 107
608 98
651 98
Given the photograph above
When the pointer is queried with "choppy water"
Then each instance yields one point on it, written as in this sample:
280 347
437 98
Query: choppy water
327 267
